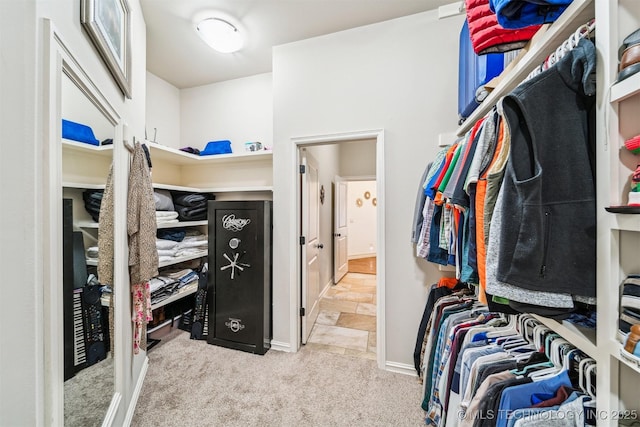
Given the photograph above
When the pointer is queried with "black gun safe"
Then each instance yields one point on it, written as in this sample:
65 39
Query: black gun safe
240 275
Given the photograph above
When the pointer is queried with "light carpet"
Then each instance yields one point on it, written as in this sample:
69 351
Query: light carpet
197 384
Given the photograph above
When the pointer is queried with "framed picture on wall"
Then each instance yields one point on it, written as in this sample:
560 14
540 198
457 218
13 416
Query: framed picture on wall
108 24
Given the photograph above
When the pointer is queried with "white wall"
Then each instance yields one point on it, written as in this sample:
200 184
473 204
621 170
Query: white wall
328 158
22 358
361 220
162 112
239 110
358 158
398 75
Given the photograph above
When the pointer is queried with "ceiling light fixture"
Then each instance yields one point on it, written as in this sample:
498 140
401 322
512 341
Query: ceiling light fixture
220 35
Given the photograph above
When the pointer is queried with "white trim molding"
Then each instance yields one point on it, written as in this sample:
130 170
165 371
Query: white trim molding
281 346
136 392
401 368
300 142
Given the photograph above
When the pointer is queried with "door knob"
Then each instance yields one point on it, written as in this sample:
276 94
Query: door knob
319 246
337 234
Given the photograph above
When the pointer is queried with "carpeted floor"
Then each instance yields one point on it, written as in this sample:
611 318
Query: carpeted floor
192 383
87 395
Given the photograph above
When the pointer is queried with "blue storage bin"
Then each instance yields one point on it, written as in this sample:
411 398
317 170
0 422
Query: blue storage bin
78 132
217 147
474 71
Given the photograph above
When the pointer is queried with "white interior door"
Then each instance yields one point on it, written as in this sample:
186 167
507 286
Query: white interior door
311 247
340 260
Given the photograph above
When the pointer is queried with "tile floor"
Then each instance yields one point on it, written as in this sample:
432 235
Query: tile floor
346 323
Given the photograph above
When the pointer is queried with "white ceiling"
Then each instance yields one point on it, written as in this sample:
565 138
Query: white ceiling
176 53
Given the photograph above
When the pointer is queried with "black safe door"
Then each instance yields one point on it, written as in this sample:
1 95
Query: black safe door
238 275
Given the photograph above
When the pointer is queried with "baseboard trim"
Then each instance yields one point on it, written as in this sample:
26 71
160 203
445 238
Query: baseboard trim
280 346
360 256
326 288
136 392
401 368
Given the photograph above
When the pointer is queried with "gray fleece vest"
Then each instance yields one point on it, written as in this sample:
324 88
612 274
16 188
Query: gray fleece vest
549 212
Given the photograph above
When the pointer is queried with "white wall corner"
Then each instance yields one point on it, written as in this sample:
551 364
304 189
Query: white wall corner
451 9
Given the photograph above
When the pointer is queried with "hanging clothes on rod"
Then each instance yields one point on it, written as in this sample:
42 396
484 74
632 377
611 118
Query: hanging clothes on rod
502 204
481 368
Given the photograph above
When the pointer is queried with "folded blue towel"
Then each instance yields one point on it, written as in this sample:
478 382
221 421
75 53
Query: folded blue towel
78 132
217 147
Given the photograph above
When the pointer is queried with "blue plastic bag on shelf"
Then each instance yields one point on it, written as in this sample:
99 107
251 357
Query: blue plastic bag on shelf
78 132
217 147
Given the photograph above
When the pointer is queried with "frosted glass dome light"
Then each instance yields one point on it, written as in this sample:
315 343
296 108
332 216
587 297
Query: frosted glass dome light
220 35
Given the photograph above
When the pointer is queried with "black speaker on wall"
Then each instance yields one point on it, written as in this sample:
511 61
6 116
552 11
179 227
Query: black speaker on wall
240 275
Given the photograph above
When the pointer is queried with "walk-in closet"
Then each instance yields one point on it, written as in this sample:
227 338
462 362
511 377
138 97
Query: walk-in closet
506 287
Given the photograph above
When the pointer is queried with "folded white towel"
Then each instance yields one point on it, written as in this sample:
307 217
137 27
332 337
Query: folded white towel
166 214
167 252
166 244
167 221
193 244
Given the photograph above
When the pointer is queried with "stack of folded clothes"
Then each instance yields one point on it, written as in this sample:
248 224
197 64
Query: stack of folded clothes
191 206
92 201
166 217
165 211
194 243
169 282
629 305
161 287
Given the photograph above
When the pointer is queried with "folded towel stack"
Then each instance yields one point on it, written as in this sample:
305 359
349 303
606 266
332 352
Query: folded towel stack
191 206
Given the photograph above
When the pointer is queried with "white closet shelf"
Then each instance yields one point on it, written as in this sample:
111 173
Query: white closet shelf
83 185
625 89
104 150
87 224
583 338
242 189
255 188
167 263
625 222
177 260
183 224
179 157
624 357
172 187
577 13
91 224
189 289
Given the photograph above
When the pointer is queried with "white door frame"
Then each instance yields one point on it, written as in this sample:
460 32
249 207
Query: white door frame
299 142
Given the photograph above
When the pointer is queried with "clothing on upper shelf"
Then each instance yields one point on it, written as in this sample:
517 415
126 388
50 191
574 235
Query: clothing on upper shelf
501 203
488 36
92 201
514 14
191 206
163 199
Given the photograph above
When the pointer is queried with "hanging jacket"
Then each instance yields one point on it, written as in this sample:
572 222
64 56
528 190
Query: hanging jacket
515 14
488 36
549 211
